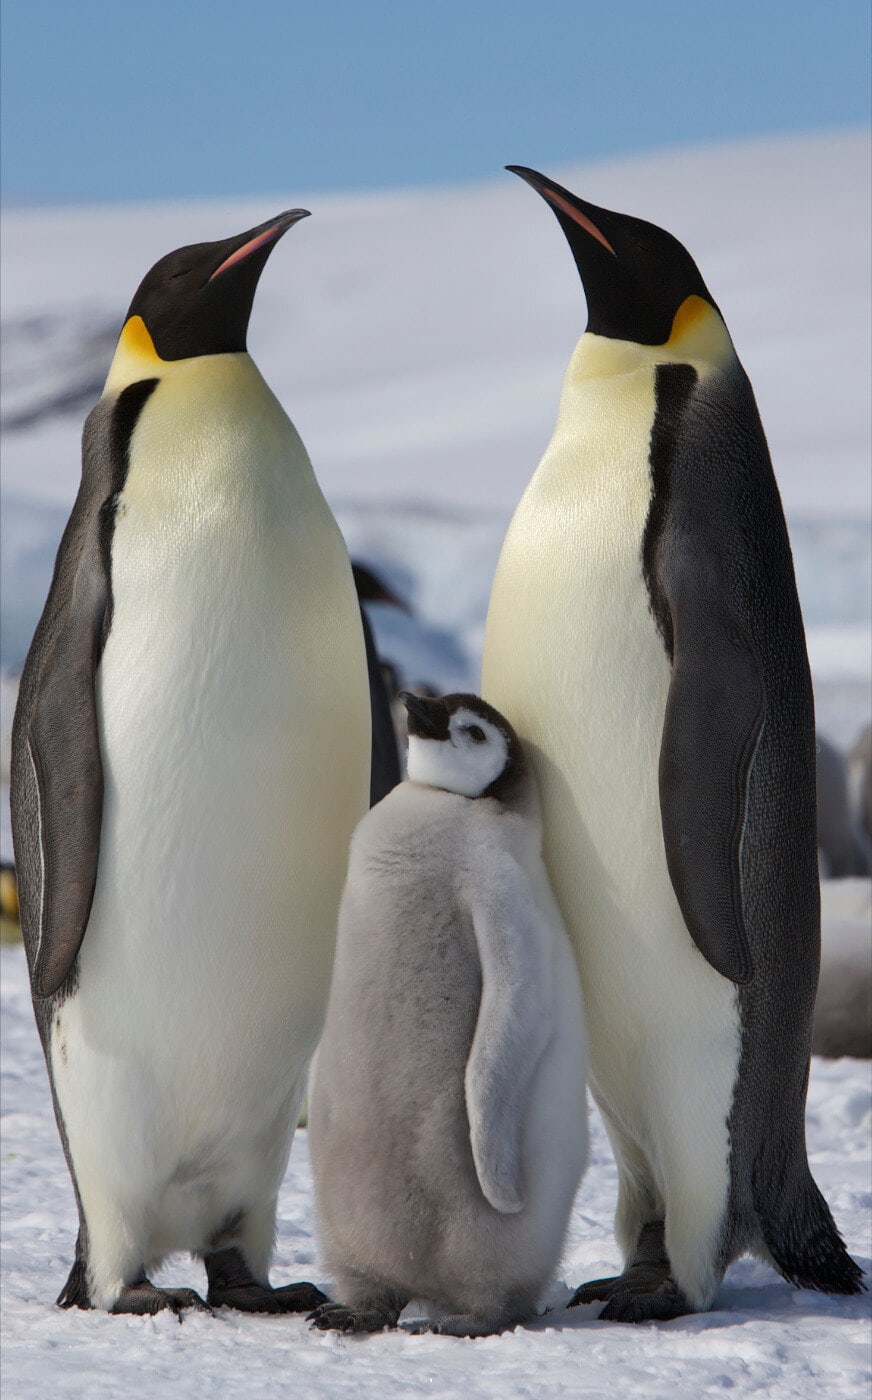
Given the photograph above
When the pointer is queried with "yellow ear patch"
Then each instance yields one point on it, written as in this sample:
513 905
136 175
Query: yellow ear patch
136 340
687 317
135 357
699 333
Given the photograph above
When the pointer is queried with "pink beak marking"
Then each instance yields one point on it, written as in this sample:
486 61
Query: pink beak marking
247 249
577 217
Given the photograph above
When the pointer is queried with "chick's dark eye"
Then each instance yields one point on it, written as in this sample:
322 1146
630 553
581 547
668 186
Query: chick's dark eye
475 733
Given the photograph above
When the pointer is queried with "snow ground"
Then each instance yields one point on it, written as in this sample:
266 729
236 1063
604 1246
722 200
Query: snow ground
763 1338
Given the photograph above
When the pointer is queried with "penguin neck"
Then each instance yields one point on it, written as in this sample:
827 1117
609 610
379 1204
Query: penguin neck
213 419
136 359
698 337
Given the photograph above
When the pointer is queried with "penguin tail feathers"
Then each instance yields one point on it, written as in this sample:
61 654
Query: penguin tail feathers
75 1293
806 1248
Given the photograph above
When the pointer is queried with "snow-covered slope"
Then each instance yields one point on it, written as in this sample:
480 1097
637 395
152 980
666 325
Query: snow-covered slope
419 340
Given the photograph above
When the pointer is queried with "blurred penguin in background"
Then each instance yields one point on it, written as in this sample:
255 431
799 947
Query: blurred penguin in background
844 846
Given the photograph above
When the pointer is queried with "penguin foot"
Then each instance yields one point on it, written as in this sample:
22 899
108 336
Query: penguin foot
335 1317
232 1285
143 1299
644 1292
257 1297
636 1305
641 1278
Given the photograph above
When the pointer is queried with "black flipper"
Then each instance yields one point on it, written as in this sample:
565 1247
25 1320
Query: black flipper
56 793
64 749
714 718
716 707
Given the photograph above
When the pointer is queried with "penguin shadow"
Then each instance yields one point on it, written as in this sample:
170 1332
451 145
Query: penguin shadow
752 1287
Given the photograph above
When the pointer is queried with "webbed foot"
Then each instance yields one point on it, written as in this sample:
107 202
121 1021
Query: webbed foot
645 1292
143 1299
232 1285
336 1317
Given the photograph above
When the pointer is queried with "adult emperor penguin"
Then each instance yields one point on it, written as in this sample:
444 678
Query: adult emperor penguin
644 638
190 756
446 1132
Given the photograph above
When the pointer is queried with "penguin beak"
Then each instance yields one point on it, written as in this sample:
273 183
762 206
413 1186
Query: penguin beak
260 237
427 718
372 589
566 206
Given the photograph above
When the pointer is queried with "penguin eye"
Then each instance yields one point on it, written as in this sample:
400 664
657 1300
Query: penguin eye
475 733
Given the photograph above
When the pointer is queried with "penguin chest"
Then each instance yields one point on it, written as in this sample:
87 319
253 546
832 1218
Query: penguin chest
571 647
234 729
573 657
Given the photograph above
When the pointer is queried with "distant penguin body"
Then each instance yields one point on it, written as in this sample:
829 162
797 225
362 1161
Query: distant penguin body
843 1006
860 780
447 1121
645 640
191 755
845 848
385 772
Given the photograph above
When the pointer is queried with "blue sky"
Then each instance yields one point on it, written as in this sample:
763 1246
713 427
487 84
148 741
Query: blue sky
187 98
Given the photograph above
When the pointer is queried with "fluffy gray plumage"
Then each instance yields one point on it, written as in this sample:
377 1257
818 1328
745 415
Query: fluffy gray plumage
447 1123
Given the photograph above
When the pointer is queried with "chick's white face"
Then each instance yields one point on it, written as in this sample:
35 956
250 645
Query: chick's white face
468 761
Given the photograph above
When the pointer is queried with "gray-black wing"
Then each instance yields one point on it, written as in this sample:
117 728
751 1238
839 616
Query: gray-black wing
717 563
56 795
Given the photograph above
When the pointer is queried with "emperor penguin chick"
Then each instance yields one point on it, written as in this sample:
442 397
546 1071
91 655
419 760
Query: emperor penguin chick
447 1130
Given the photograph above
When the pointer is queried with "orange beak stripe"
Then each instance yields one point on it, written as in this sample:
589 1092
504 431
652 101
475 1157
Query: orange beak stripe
246 250
577 217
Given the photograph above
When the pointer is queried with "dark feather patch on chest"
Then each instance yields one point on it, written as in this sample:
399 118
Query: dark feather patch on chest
673 386
125 416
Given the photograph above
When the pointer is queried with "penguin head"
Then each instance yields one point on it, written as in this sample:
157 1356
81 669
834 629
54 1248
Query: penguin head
197 300
372 589
636 276
462 744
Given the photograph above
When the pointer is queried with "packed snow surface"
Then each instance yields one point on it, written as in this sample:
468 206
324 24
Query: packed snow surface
762 1338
